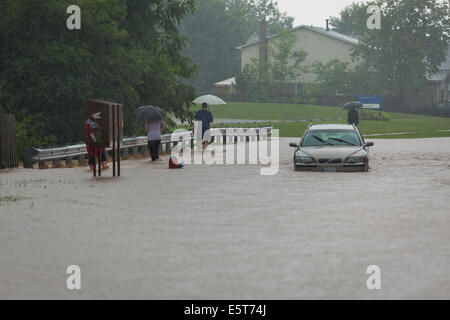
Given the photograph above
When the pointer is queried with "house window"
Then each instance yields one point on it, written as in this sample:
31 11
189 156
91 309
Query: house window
299 89
448 92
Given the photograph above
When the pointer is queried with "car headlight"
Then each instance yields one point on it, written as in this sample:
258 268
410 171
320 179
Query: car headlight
357 160
304 159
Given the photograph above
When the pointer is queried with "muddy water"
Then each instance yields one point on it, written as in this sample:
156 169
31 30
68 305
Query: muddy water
214 232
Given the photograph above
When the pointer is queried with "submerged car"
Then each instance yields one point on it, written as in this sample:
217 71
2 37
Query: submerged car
332 148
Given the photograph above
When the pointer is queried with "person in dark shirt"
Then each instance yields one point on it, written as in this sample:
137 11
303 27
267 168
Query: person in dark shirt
206 118
353 117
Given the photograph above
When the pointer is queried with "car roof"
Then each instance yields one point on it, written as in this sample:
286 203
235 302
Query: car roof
332 127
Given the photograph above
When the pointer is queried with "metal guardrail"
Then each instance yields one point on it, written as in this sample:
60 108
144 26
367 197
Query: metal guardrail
132 146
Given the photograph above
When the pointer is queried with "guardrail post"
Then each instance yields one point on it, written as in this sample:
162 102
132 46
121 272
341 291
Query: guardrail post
28 154
168 147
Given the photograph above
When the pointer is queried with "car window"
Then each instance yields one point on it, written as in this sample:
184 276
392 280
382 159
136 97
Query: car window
339 137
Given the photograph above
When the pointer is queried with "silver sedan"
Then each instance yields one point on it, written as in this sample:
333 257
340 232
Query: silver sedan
332 148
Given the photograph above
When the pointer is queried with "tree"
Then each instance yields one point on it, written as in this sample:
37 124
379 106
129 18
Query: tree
268 10
413 42
338 78
351 20
213 33
285 66
126 51
332 77
216 29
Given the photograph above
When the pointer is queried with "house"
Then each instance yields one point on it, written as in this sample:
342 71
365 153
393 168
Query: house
440 82
224 87
436 93
322 45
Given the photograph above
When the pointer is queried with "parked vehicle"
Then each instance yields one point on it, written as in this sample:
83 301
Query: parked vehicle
332 148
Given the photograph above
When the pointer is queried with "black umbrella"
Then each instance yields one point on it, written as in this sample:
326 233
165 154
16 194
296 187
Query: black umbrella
149 113
352 105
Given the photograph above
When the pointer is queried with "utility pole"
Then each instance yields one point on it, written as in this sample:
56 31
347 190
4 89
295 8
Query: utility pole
263 47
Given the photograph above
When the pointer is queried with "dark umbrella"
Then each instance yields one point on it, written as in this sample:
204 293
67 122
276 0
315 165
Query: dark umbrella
352 105
149 113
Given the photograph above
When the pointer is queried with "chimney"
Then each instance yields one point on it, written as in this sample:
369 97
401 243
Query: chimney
328 21
262 45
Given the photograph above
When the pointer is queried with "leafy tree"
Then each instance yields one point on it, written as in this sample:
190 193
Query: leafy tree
126 51
214 33
31 131
268 10
332 77
285 66
216 29
412 43
352 20
338 78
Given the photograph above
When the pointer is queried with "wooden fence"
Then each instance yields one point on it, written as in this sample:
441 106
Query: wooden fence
8 146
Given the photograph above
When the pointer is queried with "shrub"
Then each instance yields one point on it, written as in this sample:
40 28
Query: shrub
31 132
372 115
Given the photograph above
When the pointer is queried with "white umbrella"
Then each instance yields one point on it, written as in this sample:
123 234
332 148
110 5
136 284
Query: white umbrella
210 100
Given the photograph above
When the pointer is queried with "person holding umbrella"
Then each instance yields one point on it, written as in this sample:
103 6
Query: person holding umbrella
154 126
353 115
206 118
153 129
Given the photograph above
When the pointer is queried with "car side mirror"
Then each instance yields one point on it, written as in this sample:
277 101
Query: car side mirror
293 145
369 144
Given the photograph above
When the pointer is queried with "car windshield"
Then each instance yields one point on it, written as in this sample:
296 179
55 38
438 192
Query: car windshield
339 137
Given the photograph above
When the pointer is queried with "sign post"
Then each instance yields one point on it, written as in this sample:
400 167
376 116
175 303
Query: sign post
105 130
371 102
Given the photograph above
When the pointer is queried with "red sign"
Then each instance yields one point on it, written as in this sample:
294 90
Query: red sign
101 116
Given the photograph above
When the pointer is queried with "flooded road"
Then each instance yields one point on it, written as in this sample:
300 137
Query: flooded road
226 232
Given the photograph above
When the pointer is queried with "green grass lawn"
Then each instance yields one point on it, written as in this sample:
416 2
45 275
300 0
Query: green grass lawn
418 126
272 111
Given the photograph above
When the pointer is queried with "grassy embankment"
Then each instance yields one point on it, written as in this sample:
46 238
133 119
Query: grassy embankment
415 126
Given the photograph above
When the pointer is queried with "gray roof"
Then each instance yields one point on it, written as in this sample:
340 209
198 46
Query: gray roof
438 76
254 38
